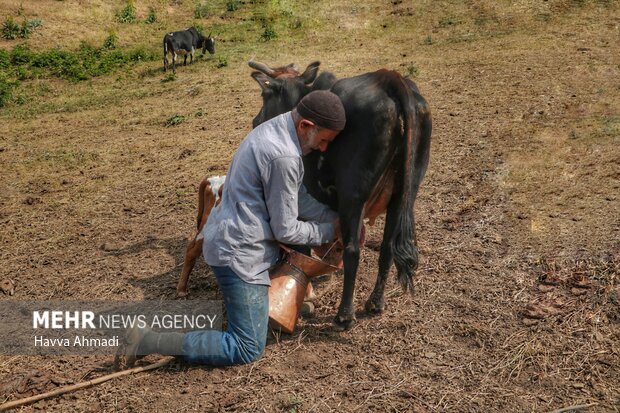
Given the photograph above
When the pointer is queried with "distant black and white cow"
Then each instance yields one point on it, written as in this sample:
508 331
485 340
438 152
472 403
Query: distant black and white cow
185 42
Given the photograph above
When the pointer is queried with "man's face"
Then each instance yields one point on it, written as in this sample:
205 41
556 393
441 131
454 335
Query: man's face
314 137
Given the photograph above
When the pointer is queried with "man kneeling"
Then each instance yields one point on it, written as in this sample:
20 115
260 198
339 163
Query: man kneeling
263 204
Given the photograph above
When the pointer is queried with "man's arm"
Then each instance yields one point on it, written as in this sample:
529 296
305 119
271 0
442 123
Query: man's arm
312 210
281 183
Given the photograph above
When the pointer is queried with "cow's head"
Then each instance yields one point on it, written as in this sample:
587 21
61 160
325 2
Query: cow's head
282 93
208 44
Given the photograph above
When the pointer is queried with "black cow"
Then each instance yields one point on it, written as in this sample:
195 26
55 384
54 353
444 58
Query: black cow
376 164
185 42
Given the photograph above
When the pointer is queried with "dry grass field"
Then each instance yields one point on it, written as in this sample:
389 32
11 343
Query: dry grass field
517 302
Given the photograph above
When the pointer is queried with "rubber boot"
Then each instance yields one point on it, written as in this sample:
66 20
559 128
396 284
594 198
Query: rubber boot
139 342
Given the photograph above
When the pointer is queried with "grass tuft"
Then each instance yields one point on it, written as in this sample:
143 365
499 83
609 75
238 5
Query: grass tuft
202 10
127 14
174 120
152 17
232 5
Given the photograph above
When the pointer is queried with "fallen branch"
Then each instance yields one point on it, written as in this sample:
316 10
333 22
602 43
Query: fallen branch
84 384
573 408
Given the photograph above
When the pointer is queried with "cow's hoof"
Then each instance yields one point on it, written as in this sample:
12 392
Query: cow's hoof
374 307
181 295
307 309
343 323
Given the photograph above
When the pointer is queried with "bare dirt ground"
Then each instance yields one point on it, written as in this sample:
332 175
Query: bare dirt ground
517 302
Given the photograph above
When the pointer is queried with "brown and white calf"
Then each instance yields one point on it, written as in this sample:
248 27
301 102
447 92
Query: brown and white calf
209 194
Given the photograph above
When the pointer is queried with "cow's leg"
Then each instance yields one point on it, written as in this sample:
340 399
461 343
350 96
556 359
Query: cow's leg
165 61
206 201
191 56
350 226
376 302
174 62
185 59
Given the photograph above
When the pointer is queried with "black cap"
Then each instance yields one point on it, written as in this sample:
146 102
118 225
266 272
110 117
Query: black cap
323 108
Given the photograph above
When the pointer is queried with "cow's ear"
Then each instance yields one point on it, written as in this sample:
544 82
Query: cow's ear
310 73
265 82
292 68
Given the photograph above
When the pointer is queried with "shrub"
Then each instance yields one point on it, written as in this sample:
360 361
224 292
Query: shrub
141 53
232 5
201 11
269 33
175 120
21 73
151 18
111 41
5 59
222 61
21 54
6 89
10 29
112 60
28 26
127 14
82 64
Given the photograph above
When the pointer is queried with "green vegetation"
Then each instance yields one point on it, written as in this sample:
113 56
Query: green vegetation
232 5
412 71
111 41
174 120
88 61
256 22
11 30
269 33
222 61
127 14
201 11
170 77
152 17
6 89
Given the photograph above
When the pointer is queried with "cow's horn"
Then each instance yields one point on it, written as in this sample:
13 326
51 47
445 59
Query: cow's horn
261 67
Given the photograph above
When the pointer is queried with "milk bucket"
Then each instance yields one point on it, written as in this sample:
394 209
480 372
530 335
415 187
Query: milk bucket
289 280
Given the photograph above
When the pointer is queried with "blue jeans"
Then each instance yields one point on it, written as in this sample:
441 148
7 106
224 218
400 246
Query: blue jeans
247 306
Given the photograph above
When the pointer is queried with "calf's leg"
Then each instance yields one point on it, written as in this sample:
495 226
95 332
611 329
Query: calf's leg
206 201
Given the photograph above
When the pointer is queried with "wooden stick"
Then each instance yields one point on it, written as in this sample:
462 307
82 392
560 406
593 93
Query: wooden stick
572 408
84 384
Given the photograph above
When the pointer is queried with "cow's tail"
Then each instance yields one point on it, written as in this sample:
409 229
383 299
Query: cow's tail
415 156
